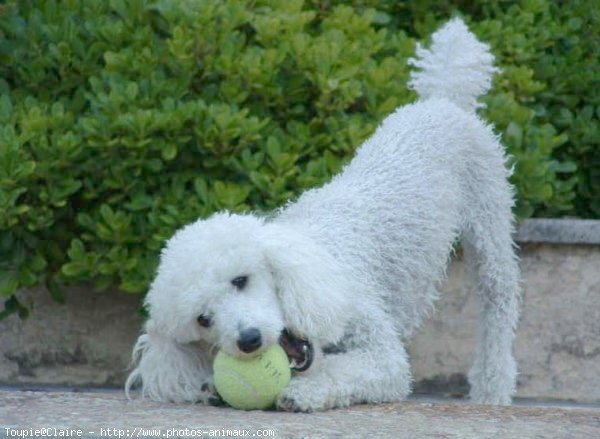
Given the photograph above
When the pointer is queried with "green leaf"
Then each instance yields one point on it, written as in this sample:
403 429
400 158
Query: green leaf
201 189
6 108
230 195
56 290
169 152
140 201
76 250
73 269
381 18
514 134
273 148
38 263
9 282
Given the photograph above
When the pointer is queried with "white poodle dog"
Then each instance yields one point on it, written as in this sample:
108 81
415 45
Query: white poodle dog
342 276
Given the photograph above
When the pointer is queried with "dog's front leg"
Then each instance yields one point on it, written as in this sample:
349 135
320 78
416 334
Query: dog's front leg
371 373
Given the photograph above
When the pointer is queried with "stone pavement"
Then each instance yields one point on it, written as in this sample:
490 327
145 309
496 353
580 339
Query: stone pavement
110 414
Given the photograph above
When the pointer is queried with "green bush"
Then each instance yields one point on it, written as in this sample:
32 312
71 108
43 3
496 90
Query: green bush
546 103
123 120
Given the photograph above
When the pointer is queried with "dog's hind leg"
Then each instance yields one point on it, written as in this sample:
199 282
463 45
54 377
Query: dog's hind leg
490 253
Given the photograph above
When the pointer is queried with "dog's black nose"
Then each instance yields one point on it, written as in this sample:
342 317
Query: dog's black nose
249 340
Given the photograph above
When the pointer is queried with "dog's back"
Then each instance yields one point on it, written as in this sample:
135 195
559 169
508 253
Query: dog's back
396 210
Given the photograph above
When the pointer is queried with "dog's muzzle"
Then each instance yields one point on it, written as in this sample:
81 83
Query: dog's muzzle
300 351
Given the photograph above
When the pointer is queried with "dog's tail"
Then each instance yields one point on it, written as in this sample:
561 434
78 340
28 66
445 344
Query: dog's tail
457 67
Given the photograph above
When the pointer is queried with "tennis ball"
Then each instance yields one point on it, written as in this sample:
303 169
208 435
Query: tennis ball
252 383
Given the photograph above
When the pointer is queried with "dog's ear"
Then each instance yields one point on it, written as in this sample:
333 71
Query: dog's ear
168 370
311 284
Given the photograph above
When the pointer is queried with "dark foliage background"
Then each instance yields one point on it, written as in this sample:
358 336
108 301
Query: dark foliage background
120 121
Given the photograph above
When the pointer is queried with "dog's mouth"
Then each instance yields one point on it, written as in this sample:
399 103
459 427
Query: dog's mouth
299 351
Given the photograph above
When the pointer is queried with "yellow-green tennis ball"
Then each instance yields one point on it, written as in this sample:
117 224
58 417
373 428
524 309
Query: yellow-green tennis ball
253 383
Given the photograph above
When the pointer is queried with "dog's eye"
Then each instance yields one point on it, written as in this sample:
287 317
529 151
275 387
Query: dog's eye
240 282
204 321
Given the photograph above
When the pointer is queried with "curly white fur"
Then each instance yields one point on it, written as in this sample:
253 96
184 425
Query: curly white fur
355 265
457 67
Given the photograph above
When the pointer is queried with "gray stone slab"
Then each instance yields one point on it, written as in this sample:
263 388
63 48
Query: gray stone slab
111 415
559 231
86 341
558 336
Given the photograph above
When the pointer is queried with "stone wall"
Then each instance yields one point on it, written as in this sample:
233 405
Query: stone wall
87 340
558 338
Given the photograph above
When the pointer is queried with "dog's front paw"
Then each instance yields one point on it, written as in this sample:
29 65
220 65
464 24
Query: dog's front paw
210 395
304 394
